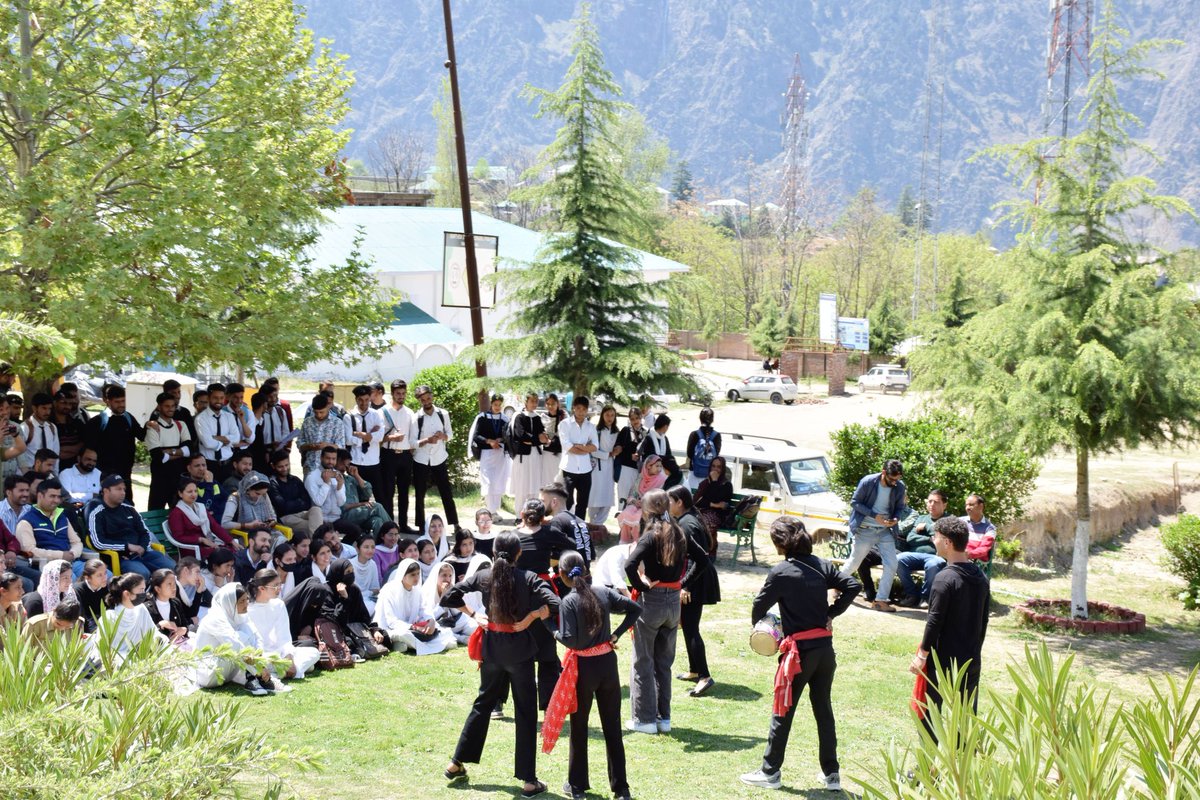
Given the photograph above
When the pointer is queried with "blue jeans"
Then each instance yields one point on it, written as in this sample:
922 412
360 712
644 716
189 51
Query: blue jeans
146 563
929 563
866 537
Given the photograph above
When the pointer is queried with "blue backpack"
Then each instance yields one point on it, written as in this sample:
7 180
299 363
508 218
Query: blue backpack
703 454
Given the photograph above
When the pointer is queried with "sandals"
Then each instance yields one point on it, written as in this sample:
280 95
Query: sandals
459 774
538 788
702 687
691 677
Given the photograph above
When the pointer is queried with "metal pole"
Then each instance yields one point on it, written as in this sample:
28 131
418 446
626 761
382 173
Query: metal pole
464 190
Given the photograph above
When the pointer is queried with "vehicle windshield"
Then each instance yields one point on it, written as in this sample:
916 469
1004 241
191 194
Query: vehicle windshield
806 476
786 380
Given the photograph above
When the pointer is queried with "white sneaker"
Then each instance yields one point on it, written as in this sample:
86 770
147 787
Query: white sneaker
762 779
664 726
638 727
832 781
279 687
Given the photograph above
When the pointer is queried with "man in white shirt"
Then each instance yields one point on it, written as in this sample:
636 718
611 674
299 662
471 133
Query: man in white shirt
39 431
364 433
217 431
429 433
326 486
579 441
395 456
82 481
275 425
235 404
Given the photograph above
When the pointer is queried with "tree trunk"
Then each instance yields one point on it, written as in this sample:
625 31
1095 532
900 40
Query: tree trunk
1083 535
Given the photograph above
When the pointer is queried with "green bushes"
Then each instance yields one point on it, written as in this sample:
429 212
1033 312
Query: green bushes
939 451
452 390
1182 542
1058 738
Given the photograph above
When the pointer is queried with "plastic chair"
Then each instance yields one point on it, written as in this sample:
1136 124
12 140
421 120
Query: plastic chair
180 547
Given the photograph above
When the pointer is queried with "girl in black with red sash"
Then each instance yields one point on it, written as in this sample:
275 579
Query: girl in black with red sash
515 599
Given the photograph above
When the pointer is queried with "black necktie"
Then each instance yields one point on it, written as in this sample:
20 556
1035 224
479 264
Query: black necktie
363 417
43 429
220 446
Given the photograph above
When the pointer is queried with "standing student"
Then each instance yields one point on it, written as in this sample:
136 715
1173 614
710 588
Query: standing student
170 444
38 430
552 450
515 599
577 436
113 434
666 557
656 443
800 584
364 433
395 456
600 501
429 433
957 620
703 445
528 437
540 545
487 446
589 673
217 432
701 588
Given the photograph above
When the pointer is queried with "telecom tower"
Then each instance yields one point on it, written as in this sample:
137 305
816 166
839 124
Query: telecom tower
1069 44
795 148
927 211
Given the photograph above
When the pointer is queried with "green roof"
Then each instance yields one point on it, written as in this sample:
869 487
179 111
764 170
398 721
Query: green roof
411 325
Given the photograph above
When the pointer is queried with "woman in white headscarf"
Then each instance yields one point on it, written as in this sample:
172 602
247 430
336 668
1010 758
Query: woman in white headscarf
399 612
53 587
227 623
458 624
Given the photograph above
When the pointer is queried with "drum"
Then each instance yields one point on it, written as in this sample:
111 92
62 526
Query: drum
766 636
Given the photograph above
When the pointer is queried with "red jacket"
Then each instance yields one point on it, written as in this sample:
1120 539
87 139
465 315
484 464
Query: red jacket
185 531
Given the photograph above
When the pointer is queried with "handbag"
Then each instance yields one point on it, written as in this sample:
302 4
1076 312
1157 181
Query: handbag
363 642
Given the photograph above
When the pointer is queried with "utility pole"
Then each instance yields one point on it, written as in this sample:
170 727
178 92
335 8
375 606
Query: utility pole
460 145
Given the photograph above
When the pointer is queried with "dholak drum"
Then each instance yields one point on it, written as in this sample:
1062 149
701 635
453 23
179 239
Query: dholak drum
766 636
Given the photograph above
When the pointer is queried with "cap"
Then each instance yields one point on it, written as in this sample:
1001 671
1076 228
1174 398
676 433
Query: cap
111 481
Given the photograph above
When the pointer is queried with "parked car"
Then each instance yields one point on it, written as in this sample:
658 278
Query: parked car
885 377
776 388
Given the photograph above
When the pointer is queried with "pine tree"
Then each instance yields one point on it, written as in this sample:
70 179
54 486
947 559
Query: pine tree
682 190
769 335
887 325
1088 353
582 315
906 208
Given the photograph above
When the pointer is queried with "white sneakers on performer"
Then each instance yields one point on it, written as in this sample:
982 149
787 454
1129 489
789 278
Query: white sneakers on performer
832 781
664 726
640 727
762 779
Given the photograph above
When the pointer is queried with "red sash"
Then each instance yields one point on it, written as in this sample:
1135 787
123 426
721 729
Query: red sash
564 700
475 643
550 580
920 690
789 667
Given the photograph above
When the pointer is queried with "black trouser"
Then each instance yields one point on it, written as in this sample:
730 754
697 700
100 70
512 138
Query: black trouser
494 680
373 475
689 623
873 559
220 470
164 481
422 475
970 688
816 672
598 678
579 486
548 665
385 492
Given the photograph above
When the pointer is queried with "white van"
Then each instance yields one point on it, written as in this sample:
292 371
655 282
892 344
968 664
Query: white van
792 481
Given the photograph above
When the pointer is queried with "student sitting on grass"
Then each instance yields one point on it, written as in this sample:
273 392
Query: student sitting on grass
387 553
227 624
166 612
426 557
451 620
399 612
462 553
126 606
366 573
435 531
269 618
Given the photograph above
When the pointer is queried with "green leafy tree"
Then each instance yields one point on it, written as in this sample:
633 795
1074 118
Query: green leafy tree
887 325
445 161
481 171
906 207
582 314
1088 353
770 333
452 390
165 169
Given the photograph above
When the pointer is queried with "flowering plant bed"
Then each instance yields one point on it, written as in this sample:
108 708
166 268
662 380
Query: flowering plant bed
1102 617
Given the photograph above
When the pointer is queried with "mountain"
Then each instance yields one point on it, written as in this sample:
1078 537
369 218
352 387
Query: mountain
710 76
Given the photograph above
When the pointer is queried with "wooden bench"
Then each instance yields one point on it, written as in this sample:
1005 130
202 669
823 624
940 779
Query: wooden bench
742 531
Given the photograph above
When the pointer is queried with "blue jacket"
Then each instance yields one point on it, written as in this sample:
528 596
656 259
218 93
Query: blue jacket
862 504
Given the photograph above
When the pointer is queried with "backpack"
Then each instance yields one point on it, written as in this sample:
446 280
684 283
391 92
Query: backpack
421 420
703 453
510 437
476 450
335 654
362 641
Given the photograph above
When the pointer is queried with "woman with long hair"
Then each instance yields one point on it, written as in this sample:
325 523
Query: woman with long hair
600 500
713 499
167 611
630 518
701 588
514 599
661 561
589 673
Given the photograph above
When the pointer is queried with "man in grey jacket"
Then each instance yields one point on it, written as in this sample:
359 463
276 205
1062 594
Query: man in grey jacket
876 509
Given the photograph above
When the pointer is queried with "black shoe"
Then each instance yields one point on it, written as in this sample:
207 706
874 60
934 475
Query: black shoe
254 686
702 687
570 792
538 788
910 602
459 774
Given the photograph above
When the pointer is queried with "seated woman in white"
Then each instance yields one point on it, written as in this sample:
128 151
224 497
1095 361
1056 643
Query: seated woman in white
126 607
269 618
448 619
399 612
427 557
226 623
366 570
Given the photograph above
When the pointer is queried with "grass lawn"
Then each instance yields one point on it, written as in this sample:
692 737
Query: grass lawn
387 727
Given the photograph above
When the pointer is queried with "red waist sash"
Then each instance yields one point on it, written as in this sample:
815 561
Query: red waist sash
564 700
475 643
789 667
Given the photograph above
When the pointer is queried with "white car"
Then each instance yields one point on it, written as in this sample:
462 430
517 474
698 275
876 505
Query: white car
885 377
776 388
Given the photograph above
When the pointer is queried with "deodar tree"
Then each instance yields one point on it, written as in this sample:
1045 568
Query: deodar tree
164 164
1088 353
582 316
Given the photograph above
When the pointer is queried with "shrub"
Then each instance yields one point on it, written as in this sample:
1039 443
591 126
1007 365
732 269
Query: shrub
939 451
1008 550
1182 542
452 390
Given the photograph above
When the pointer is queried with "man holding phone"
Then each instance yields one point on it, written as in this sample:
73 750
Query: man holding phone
875 510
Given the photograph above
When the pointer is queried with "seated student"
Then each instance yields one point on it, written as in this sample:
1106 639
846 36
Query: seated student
226 623
305 605
269 617
250 508
301 542
127 608
451 620
652 477
405 548
166 611
11 591
208 493
90 589
114 524
426 558
219 573
360 506
322 559
483 532
462 553
43 530
345 604
54 587
366 573
343 536
399 612
63 620
11 558
241 465
293 506
192 523
256 556
285 563
326 485
81 483
193 591
982 532
387 554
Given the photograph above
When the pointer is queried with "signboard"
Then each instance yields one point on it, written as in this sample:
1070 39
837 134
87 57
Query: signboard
455 291
854 333
827 328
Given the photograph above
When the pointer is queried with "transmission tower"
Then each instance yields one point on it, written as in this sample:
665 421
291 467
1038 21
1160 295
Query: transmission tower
1067 48
935 87
795 148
